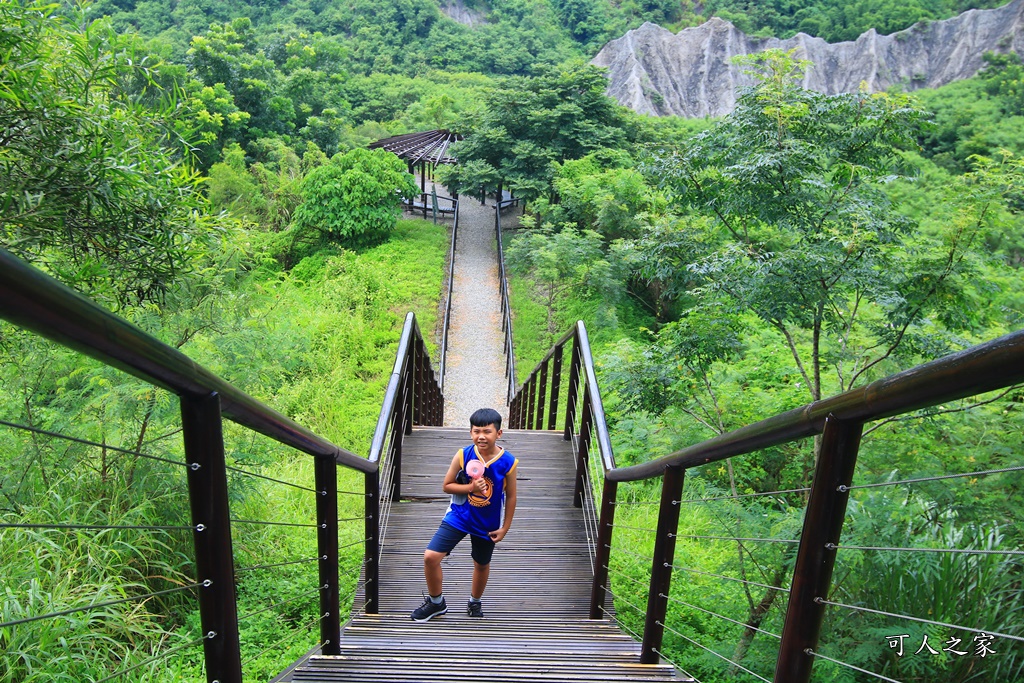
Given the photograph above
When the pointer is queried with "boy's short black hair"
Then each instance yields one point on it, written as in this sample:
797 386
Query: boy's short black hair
484 417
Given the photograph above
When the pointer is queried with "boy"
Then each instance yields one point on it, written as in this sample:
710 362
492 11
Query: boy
475 509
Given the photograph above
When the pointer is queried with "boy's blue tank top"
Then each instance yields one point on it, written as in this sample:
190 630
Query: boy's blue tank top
480 514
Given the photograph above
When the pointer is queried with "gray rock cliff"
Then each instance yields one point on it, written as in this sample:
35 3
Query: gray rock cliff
457 11
653 71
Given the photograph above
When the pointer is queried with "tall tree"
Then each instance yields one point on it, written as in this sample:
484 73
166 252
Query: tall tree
529 124
789 223
94 187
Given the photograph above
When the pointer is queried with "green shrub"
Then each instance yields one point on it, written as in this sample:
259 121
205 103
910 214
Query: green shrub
354 200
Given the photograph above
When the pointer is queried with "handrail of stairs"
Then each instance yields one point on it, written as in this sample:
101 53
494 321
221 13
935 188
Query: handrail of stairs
839 420
446 323
506 308
39 303
413 396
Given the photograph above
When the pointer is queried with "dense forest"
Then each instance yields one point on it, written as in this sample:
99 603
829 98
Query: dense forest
200 168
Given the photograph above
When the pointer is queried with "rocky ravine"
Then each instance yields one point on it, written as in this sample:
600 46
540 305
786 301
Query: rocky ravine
653 71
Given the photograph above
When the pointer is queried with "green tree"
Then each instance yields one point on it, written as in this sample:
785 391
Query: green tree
532 123
356 199
561 260
94 187
798 233
1004 79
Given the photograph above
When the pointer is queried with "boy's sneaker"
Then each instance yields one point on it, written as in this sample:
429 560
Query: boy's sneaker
428 610
475 608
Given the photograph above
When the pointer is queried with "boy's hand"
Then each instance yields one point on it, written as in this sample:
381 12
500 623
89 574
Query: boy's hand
479 485
496 536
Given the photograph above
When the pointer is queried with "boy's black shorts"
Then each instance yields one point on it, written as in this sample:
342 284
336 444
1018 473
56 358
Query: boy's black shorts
447 537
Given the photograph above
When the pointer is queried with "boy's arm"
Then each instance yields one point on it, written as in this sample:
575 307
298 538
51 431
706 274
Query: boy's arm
510 507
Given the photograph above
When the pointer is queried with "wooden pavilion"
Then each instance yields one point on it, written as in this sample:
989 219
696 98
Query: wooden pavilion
429 148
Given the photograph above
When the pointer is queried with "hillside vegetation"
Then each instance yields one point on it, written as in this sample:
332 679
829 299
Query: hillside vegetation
200 169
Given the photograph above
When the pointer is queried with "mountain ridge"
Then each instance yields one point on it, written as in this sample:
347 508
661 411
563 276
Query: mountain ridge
655 72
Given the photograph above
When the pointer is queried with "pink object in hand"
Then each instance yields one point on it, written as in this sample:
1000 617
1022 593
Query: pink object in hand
475 469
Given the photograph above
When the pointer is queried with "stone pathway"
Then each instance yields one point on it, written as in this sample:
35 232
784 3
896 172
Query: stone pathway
475 367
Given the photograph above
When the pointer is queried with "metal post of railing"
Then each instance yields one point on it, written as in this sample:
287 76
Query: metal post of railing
208 500
371 552
816 554
602 554
398 429
416 369
326 475
409 386
583 451
531 395
661 567
542 395
574 385
556 384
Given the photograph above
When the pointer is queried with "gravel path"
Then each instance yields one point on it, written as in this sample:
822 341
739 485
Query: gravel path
475 367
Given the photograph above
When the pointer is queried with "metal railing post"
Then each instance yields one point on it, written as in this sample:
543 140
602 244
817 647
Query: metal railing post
583 452
542 395
574 385
397 428
326 477
531 398
661 567
208 500
408 384
556 384
416 370
816 554
371 553
602 555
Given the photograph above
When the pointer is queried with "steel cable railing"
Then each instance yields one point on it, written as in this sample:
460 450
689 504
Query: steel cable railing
86 442
291 636
851 667
39 304
210 635
838 420
272 565
713 652
140 598
99 605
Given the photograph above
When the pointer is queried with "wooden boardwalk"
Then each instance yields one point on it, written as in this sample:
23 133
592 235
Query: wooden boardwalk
535 625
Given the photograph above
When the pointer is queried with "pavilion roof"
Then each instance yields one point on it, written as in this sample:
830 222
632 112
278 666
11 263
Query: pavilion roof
430 146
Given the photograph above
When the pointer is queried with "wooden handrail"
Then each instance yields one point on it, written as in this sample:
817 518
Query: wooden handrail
993 365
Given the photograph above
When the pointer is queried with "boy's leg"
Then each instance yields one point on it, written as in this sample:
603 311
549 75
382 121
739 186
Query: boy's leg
483 549
432 571
480 574
445 539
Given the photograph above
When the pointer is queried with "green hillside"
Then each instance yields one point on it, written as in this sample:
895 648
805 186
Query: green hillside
200 169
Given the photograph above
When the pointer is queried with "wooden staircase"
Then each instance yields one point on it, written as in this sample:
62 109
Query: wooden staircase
535 625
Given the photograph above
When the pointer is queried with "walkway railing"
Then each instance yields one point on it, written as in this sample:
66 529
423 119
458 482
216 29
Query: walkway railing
40 304
443 353
506 309
839 421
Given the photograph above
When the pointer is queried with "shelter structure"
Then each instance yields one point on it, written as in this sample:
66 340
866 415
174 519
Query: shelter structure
429 148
